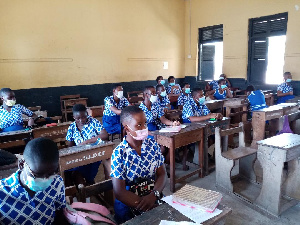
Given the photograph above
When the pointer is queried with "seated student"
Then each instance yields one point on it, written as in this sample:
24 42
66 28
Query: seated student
256 99
185 95
222 92
11 113
136 157
160 80
163 99
154 113
213 85
86 130
195 110
285 90
34 194
173 88
113 107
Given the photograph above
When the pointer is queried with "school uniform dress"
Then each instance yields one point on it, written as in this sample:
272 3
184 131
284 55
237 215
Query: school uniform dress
192 109
218 95
111 121
13 120
153 115
214 84
18 207
127 165
91 129
163 102
182 99
284 88
175 90
257 100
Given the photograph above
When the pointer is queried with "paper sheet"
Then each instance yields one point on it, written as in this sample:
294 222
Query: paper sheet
166 222
197 215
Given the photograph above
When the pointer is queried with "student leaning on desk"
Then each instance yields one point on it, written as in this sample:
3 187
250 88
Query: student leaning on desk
35 194
11 113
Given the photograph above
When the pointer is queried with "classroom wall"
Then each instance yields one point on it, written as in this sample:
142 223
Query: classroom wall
235 15
51 43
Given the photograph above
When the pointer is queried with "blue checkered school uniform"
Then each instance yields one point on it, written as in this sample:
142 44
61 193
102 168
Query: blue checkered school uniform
257 100
175 90
214 84
192 109
153 115
18 207
284 88
127 165
91 129
182 99
109 102
163 102
14 117
218 95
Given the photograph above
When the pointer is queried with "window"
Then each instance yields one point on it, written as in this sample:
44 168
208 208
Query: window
210 52
267 37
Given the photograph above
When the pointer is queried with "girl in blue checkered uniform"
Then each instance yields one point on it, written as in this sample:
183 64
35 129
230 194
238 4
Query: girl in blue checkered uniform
285 90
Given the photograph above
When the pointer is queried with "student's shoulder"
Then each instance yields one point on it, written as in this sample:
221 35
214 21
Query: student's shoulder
150 142
107 98
9 183
121 147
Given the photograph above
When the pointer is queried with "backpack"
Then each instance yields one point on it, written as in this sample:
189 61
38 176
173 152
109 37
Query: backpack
80 213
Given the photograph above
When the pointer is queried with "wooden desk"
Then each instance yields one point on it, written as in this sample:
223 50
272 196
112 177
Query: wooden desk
269 97
215 106
241 111
69 103
234 101
59 131
95 111
273 112
167 212
191 134
82 155
210 130
173 115
14 139
272 153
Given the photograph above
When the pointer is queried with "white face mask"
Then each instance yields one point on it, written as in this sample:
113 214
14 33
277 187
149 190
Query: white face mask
153 98
120 94
10 102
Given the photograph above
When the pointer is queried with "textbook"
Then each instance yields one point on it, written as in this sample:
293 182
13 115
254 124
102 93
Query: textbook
196 197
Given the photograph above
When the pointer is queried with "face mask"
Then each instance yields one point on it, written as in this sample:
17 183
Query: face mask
187 90
120 94
10 102
162 82
172 84
38 184
153 98
223 86
163 94
288 80
140 134
201 100
221 78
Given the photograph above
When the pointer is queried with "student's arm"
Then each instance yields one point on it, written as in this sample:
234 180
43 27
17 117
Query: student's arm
103 136
207 117
127 197
228 93
71 143
115 110
280 94
60 218
207 87
69 137
147 202
228 82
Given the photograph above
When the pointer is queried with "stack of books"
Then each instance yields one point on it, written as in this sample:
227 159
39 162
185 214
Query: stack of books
196 197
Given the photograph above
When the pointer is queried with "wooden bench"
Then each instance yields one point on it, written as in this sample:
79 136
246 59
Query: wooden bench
14 139
135 97
225 159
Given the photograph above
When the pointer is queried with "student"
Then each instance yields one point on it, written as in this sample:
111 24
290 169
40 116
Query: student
185 95
154 113
173 88
222 92
136 157
160 80
113 107
86 130
213 85
256 99
163 99
35 194
285 90
11 113
195 110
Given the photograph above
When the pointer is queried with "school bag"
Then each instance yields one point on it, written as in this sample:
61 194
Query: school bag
79 213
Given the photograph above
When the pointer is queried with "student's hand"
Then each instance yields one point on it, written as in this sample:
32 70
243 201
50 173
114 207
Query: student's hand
147 202
219 116
30 122
291 93
166 110
175 123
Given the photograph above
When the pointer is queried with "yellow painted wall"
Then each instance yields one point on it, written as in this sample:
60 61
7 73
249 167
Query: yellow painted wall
47 43
235 15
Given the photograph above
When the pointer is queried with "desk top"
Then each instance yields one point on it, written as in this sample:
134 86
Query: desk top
82 148
208 122
190 127
12 133
277 107
283 141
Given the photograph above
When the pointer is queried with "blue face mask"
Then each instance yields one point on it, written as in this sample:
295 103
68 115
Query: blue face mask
288 80
172 84
187 90
163 94
201 100
162 82
223 86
